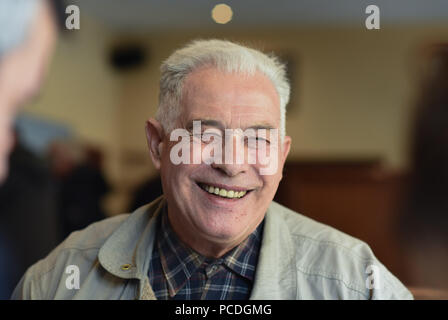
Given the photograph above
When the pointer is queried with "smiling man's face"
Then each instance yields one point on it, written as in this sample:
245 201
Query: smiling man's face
209 223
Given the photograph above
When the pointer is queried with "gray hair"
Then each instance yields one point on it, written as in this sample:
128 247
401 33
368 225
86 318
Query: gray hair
15 19
224 55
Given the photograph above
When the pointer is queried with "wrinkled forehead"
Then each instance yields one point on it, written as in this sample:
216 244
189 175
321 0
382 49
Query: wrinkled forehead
234 99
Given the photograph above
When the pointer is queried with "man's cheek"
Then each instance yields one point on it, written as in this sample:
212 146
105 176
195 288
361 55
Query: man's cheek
268 161
271 168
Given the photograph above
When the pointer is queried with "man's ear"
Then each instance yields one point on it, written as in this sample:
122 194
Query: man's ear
154 136
285 148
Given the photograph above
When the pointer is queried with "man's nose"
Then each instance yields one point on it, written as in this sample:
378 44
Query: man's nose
233 158
230 170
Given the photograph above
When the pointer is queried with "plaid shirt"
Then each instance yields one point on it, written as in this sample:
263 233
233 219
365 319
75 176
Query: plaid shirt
178 272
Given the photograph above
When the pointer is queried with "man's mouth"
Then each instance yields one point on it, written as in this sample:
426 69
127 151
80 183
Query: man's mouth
224 193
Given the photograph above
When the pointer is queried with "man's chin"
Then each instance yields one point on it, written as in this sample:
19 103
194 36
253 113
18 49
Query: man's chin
222 236
223 227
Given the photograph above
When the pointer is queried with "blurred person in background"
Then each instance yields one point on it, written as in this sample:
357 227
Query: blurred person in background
81 184
28 216
27 37
146 192
425 218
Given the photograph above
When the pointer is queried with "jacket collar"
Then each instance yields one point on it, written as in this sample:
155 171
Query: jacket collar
276 273
125 253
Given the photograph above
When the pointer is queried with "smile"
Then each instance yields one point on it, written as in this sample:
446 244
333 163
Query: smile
223 193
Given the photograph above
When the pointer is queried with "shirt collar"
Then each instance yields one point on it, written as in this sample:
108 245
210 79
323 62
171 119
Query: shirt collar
179 262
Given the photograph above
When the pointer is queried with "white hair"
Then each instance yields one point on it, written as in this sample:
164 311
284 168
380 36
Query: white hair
226 56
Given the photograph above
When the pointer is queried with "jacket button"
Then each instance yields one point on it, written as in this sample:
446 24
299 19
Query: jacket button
126 267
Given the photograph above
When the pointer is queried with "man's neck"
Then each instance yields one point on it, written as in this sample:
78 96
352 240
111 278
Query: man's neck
205 246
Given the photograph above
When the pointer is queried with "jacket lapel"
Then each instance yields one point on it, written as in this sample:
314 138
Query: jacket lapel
276 273
125 254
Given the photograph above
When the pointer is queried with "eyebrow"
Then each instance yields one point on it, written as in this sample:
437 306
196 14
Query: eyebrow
218 124
206 122
261 126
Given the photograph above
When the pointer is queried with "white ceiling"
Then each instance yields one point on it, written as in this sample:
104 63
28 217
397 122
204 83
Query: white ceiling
128 15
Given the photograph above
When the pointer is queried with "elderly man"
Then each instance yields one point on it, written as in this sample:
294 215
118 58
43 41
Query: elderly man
215 233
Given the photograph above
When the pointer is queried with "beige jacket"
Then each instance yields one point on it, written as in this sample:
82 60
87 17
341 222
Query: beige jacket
299 259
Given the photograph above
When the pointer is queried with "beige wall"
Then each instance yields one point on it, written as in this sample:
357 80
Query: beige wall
354 91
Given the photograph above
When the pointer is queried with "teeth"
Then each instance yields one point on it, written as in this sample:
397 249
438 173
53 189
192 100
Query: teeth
224 193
